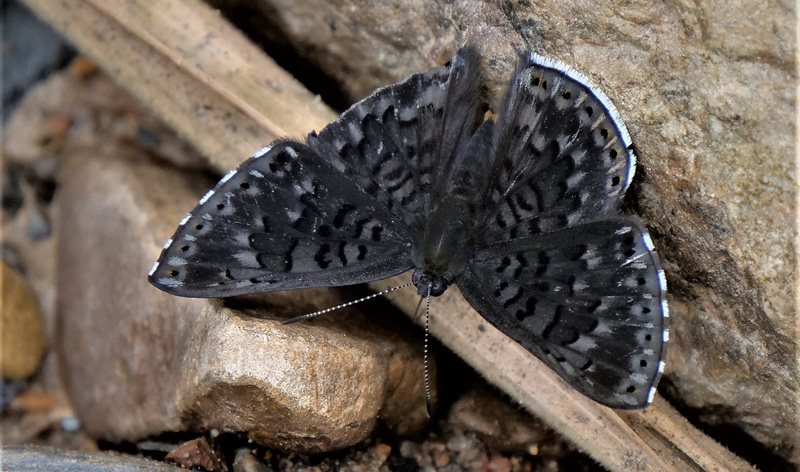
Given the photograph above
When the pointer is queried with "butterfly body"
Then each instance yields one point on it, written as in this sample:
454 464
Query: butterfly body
520 213
446 243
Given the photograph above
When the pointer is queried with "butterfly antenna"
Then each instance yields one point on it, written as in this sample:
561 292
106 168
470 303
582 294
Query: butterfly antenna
344 305
425 356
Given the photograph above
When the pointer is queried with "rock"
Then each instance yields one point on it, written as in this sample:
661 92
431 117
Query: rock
708 92
20 324
365 45
246 461
195 454
26 458
497 422
140 362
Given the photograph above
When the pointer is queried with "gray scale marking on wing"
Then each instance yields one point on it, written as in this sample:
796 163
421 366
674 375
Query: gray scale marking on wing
276 224
561 157
585 300
387 142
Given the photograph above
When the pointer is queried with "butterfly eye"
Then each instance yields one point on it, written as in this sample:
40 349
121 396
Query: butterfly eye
438 287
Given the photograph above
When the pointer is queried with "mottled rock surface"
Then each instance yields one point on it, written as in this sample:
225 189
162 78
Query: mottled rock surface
708 91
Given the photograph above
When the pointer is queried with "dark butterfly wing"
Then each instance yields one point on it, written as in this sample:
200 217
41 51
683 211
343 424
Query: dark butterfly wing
589 301
286 218
338 211
562 154
395 142
554 268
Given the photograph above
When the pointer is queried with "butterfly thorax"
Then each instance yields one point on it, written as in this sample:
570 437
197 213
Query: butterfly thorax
443 247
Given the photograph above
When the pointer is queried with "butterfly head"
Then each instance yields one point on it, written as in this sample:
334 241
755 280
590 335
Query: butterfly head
427 282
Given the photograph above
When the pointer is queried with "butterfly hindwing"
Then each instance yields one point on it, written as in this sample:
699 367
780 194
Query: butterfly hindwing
562 154
589 301
286 218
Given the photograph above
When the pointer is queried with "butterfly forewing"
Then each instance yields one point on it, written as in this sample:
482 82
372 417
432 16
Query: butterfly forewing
588 300
393 141
287 218
562 156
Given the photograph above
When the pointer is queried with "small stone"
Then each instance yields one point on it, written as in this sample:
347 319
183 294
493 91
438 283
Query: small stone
500 424
411 450
70 424
246 461
441 457
382 449
465 447
23 341
195 453
498 464
82 67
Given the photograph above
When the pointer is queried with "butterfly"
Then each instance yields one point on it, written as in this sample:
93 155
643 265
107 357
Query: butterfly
521 212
